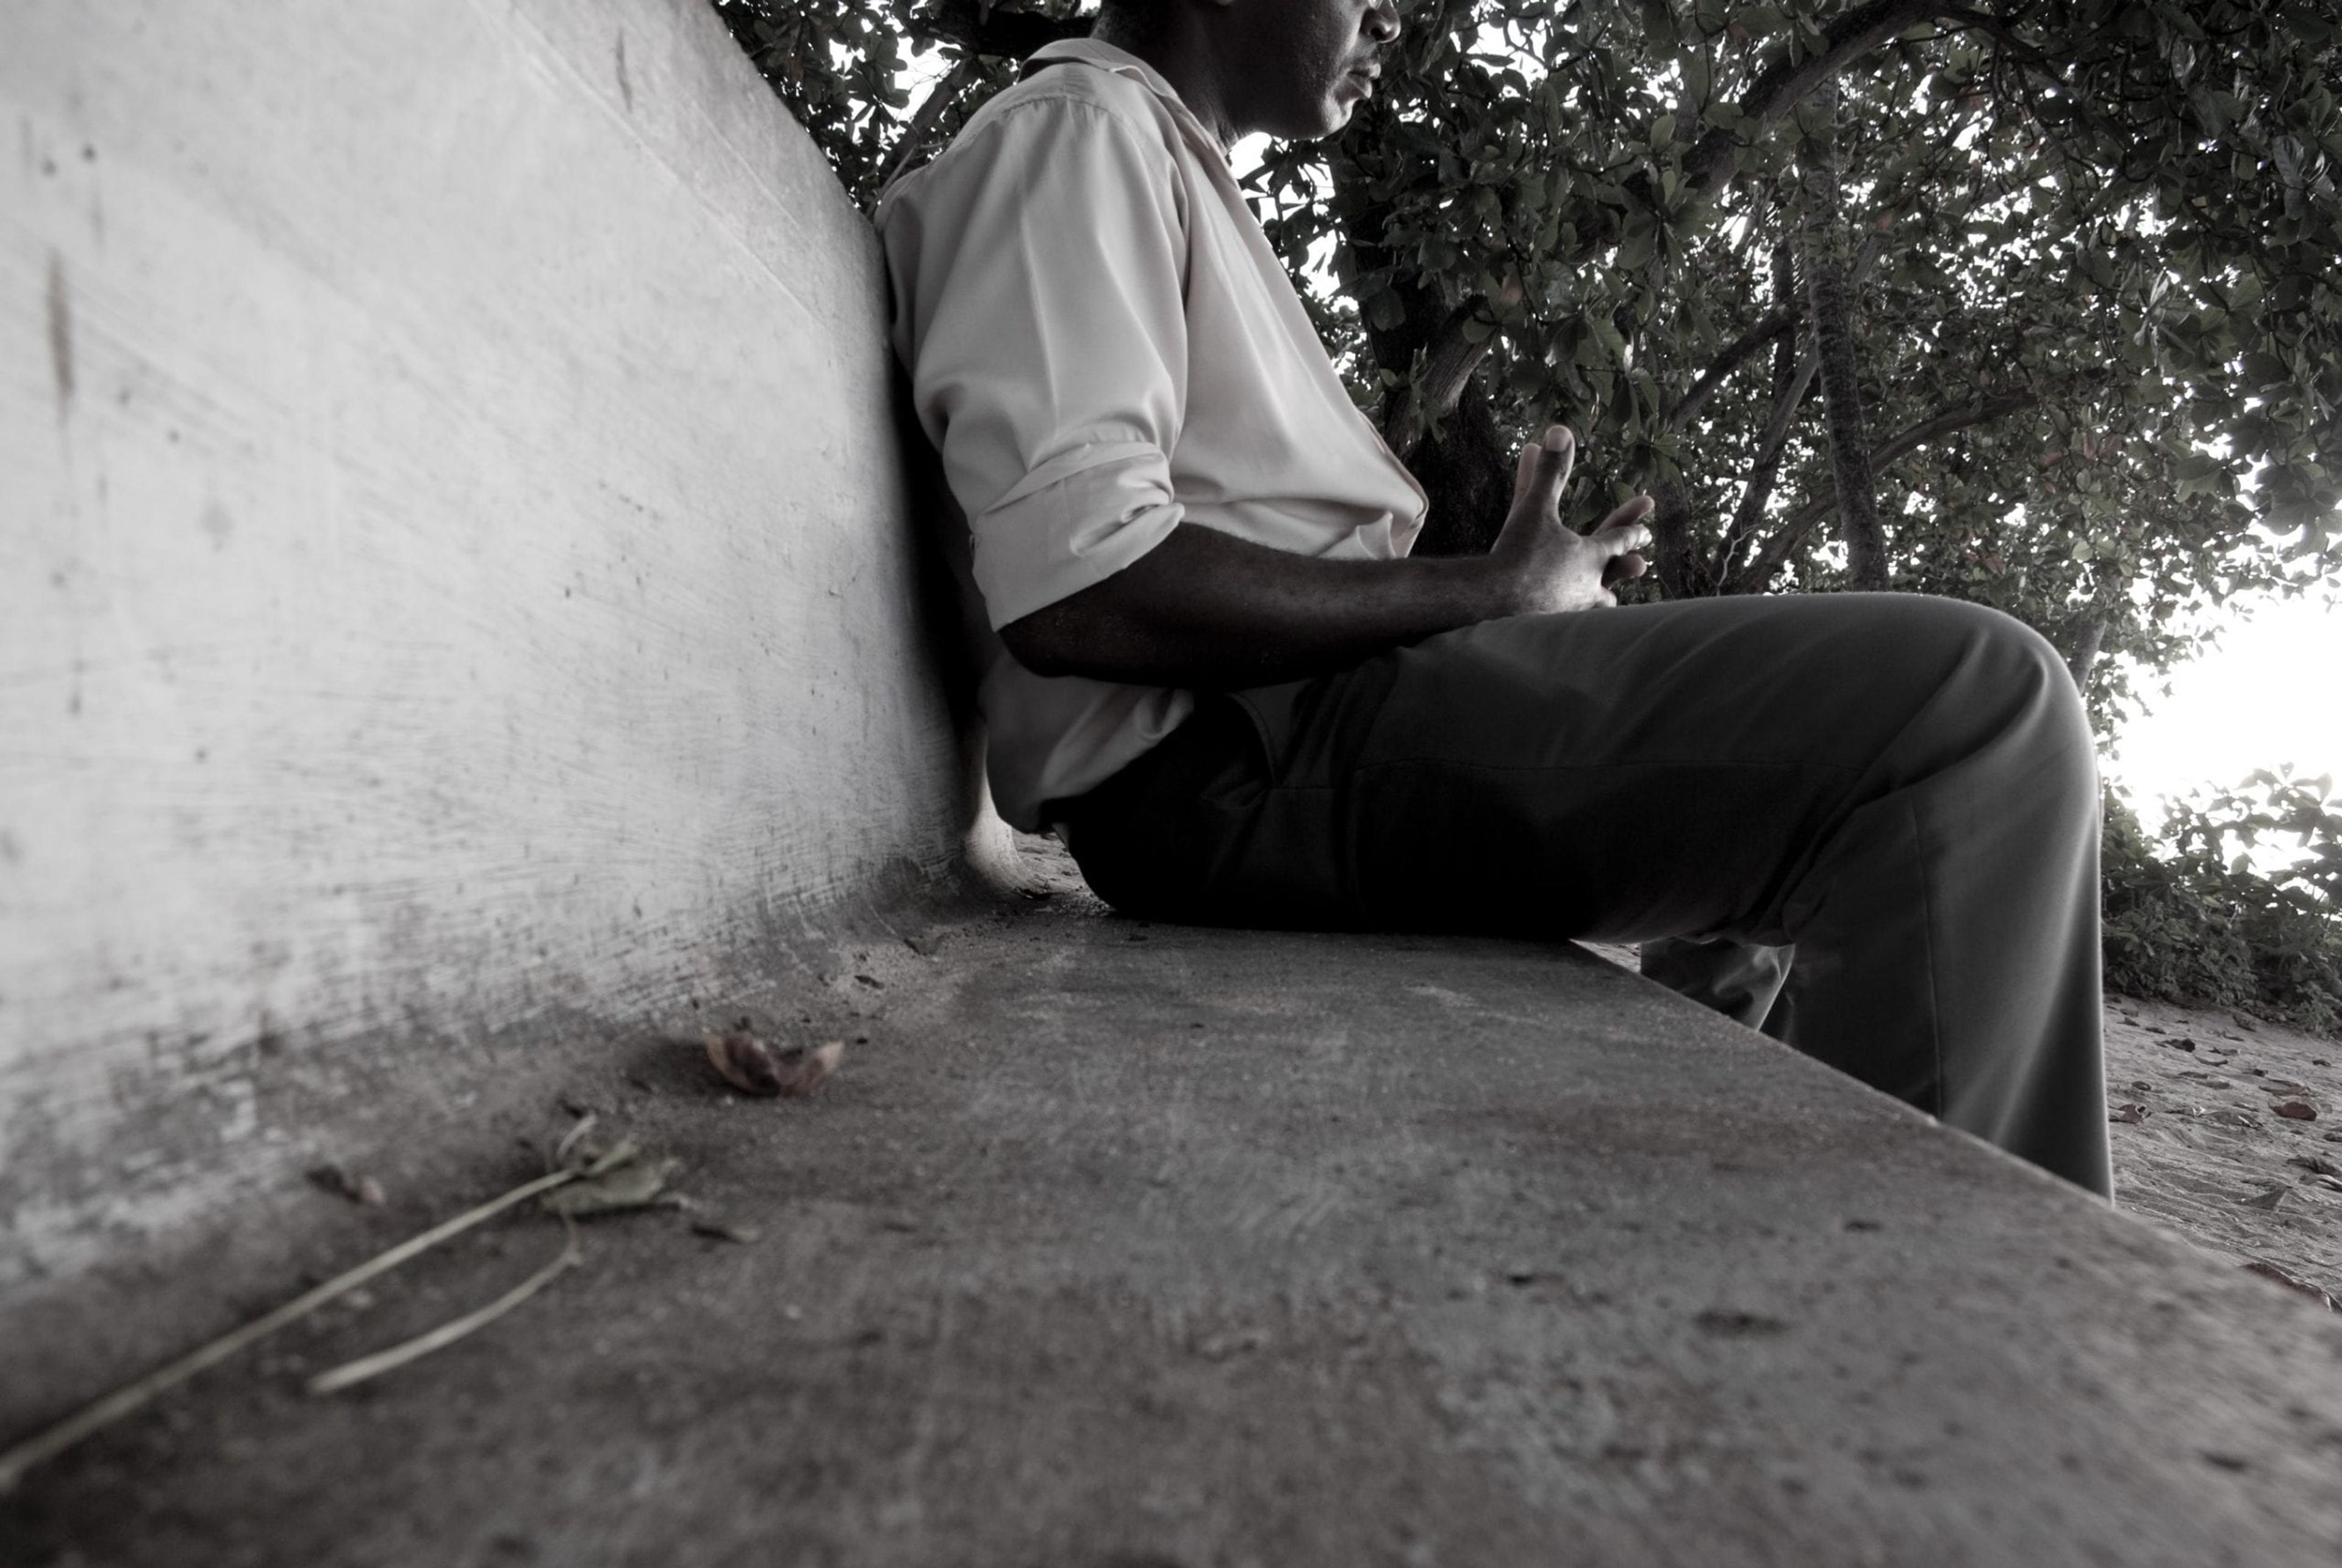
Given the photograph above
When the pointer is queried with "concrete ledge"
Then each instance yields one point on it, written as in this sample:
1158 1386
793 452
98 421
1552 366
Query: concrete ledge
1120 1244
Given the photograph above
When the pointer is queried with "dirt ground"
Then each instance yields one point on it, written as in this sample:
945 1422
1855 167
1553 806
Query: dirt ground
2192 1098
2199 1144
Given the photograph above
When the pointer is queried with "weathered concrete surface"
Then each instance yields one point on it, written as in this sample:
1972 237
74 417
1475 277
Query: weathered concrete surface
1156 1246
453 570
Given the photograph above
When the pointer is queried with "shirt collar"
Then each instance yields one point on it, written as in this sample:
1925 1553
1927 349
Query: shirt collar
1122 63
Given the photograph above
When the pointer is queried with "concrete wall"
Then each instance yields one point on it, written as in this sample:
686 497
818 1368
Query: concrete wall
454 567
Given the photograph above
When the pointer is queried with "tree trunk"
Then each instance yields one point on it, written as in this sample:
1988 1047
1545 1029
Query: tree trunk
1828 255
1464 472
1681 574
1790 379
2084 654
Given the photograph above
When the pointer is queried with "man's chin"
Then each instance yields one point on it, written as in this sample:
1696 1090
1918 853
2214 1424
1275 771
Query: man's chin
1335 119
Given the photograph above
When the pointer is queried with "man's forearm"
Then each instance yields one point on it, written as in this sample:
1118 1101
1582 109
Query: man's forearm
1208 610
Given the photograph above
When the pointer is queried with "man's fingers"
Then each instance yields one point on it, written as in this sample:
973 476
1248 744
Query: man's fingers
1549 463
1634 511
1624 569
1623 530
1524 471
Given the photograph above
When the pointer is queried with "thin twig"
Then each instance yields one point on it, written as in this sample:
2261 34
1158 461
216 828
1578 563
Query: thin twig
447 1334
123 1401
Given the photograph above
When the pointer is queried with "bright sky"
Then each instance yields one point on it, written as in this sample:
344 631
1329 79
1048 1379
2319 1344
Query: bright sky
2271 693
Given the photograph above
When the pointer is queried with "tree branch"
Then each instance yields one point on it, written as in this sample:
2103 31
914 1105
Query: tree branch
923 124
1780 87
1777 549
1450 363
1781 322
1790 380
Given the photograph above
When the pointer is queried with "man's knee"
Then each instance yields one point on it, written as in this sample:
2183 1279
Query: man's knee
2011 690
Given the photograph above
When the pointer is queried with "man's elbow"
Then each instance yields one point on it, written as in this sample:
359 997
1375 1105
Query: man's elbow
1046 643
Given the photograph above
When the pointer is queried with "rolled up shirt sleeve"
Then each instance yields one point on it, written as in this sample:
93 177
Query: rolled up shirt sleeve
1048 347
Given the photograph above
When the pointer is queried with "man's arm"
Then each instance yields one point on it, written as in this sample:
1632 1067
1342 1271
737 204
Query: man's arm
1208 610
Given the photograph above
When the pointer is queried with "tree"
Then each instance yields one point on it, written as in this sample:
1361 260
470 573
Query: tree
2047 288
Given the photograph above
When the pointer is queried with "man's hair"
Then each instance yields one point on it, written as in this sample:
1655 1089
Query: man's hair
1130 20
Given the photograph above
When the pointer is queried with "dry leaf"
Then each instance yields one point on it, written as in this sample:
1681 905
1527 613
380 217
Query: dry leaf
724 1231
2298 1110
745 1061
2316 1164
2268 1200
348 1184
804 1071
637 1184
2129 1114
2292 1281
753 1067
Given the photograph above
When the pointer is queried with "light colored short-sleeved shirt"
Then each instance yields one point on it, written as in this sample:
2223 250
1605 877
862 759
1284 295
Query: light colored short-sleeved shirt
1102 345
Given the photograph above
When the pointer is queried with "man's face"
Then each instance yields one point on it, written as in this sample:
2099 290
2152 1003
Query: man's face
1301 66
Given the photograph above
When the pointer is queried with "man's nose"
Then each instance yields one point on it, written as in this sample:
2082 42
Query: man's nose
1381 23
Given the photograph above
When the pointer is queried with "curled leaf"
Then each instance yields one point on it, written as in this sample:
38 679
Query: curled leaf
753 1067
803 1071
745 1062
564 1152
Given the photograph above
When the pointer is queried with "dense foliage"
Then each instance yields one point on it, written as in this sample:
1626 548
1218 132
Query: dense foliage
2033 303
2190 917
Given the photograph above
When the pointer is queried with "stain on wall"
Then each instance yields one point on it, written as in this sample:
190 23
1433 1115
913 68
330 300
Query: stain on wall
61 347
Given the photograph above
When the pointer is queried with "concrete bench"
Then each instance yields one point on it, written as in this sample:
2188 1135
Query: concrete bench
459 637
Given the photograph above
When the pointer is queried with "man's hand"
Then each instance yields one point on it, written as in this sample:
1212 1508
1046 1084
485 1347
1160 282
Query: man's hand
1550 565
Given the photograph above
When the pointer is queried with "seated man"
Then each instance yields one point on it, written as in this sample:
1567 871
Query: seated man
1220 675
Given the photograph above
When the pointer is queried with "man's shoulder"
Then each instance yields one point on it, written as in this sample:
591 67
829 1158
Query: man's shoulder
1071 86
1069 99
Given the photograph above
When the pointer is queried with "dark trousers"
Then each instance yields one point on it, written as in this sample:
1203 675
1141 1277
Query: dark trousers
1903 790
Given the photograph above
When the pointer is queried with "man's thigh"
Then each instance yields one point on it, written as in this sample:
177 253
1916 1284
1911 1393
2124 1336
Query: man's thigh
1652 771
